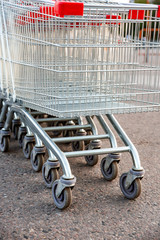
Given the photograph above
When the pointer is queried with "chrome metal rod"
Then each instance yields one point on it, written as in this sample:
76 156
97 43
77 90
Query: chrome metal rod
80 138
106 128
4 112
8 121
36 128
93 126
54 119
29 132
73 127
96 152
36 113
38 141
1 100
51 156
15 116
127 142
80 121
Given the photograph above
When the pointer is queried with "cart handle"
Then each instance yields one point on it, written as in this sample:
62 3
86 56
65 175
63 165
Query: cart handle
114 17
66 8
136 14
63 8
158 12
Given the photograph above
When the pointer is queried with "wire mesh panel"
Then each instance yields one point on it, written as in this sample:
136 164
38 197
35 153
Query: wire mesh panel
6 66
84 58
3 82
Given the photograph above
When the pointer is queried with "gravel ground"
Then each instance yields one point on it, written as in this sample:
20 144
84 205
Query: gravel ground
99 210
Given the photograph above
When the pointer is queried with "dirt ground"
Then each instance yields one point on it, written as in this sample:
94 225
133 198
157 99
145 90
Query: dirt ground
99 210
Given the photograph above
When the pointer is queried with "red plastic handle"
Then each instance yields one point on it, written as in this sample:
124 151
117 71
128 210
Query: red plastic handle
136 14
113 17
46 12
69 8
158 12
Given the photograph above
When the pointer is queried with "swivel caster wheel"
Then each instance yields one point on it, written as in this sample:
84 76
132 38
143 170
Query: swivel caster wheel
91 159
27 150
78 146
37 161
111 172
65 198
134 189
21 135
15 132
4 145
52 176
20 140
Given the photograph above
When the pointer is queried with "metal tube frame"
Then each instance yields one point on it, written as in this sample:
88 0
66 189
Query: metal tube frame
31 123
132 150
36 129
106 128
4 111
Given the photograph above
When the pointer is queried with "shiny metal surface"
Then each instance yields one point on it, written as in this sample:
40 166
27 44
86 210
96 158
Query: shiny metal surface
82 65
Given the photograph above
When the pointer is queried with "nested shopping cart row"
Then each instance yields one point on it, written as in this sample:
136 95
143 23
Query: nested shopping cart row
65 64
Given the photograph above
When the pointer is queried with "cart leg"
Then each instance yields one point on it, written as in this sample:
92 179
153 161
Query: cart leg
37 154
79 145
50 170
109 167
68 133
1 103
61 189
21 134
5 133
129 182
3 114
94 144
28 143
15 125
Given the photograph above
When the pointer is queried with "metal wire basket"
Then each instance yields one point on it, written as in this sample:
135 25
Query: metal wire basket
87 59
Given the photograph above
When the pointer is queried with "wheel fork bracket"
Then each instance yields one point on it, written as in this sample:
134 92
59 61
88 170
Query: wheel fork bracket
50 165
131 176
28 139
37 151
4 133
64 183
111 158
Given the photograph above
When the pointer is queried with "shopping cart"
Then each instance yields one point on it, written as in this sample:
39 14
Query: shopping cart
80 59
3 70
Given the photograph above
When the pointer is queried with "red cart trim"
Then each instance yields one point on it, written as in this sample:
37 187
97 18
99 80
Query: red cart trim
136 14
69 8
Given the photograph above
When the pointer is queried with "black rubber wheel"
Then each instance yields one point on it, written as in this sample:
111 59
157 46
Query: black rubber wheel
111 173
88 134
27 150
133 191
69 133
15 132
64 200
91 159
52 176
38 162
20 140
78 146
4 146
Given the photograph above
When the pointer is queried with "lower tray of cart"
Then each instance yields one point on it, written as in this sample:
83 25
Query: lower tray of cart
74 109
